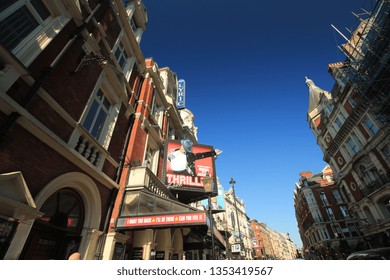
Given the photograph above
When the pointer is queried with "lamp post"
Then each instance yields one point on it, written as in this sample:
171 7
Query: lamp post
232 182
208 184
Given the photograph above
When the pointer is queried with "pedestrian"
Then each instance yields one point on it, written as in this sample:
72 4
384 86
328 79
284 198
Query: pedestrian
74 256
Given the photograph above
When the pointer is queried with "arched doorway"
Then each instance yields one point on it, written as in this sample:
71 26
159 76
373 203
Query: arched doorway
57 233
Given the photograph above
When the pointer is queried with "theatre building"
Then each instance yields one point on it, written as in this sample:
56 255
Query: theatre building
153 217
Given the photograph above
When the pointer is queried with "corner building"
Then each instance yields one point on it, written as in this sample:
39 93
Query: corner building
327 229
351 125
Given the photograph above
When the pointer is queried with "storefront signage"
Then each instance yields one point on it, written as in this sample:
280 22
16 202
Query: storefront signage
162 220
181 95
236 248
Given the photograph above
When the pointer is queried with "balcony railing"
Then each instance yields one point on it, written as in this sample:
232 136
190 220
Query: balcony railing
144 177
90 149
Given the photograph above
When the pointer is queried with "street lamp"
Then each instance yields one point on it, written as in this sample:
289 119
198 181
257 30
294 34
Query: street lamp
208 184
232 182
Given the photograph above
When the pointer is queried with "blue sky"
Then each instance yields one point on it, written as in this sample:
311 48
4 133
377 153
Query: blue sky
245 64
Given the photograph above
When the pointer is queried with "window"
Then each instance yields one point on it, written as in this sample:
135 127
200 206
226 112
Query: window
325 232
121 55
371 127
64 209
338 124
309 198
337 230
344 211
133 25
151 153
352 102
337 196
369 176
343 114
156 110
354 144
125 59
324 198
332 130
316 215
97 114
330 212
329 108
19 19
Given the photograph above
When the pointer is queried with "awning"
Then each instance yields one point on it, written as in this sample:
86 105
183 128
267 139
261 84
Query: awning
142 209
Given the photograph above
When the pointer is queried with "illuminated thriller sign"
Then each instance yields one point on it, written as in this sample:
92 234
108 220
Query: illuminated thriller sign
181 180
188 164
194 218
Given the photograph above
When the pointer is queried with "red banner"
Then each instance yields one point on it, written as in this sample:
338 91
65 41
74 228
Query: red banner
159 220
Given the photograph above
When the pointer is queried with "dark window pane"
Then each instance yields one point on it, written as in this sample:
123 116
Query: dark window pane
106 103
4 4
91 115
40 8
117 53
99 123
17 27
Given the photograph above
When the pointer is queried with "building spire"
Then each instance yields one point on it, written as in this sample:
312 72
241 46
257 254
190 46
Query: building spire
315 94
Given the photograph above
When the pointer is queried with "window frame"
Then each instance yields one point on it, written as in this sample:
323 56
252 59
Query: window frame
338 196
344 211
19 4
113 112
156 111
129 61
101 104
368 124
36 41
330 213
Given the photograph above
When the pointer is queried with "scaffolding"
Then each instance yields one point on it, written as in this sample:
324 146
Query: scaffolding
367 65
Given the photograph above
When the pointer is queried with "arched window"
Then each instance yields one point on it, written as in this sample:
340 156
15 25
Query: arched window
64 209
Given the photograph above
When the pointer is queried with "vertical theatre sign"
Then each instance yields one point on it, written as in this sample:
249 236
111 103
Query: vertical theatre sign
188 164
181 95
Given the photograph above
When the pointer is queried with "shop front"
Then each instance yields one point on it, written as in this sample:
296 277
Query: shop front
160 227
